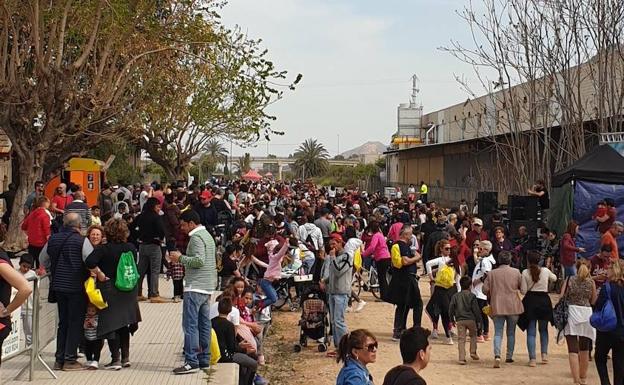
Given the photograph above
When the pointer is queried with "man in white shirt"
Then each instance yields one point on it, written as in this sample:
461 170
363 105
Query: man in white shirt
484 266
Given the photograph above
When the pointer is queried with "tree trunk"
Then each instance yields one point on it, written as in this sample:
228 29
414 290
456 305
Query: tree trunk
29 171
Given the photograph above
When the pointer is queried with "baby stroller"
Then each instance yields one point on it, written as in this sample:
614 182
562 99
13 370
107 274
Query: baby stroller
314 322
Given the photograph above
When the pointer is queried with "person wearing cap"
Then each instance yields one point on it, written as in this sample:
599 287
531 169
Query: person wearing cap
476 233
610 238
336 279
206 211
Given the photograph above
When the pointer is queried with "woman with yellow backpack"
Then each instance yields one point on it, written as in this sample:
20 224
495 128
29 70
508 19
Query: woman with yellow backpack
447 273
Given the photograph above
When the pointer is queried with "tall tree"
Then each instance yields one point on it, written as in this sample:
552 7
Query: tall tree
544 65
243 164
221 91
65 72
311 159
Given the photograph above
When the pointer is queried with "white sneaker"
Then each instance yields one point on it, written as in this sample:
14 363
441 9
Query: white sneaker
449 341
434 334
360 306
93 365
349 310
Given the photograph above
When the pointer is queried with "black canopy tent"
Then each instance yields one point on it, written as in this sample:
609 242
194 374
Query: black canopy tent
603 164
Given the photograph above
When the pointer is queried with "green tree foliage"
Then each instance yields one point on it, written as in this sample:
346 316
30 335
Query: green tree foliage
67 69
311 159
243 164
219 90
121 171
347 176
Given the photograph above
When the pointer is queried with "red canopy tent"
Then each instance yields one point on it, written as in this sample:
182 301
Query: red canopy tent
252 175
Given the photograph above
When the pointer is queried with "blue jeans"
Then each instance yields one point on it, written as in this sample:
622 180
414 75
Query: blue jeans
197 329
569 271
532 333
337 307
499 323
269 291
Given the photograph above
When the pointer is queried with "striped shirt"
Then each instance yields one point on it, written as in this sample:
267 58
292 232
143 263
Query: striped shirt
200 262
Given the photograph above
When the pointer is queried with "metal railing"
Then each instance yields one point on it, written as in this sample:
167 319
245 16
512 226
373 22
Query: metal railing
611 137
43 328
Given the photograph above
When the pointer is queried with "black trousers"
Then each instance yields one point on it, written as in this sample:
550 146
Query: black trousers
93 349
382 270
178 287
485 321
402 311
71 313
606 342
441 298
35 251
120 345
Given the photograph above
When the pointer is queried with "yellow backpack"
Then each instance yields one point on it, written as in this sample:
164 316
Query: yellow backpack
395 253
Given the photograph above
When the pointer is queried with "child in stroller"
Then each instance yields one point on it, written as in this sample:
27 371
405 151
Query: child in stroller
314 322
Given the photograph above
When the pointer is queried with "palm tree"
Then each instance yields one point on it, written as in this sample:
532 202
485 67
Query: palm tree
311 159
243 164
216 151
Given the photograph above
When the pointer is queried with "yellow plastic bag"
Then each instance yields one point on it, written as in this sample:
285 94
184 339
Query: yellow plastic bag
215 353
395 253
357 259
94 294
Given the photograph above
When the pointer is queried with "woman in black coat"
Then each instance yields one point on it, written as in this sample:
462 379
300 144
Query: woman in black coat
121 317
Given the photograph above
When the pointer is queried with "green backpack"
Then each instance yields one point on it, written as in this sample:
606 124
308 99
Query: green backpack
127 273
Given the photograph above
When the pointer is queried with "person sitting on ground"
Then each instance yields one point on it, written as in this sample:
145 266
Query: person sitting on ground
416 353
231 350
356 349
464 310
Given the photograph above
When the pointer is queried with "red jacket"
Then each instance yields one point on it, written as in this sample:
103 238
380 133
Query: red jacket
568 250
37 227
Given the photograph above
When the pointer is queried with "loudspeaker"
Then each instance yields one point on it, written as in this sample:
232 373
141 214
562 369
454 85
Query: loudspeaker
522 208
488 203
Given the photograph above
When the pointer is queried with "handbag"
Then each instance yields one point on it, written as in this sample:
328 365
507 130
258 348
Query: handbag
605 319
560 311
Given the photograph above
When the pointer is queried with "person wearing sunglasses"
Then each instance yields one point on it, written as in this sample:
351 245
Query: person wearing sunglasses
356 350
445 281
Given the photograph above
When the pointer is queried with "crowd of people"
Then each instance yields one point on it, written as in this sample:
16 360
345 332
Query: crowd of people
224 246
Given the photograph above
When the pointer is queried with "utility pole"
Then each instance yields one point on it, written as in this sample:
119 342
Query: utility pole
338 145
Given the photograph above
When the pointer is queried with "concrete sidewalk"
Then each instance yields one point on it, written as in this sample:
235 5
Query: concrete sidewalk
155 349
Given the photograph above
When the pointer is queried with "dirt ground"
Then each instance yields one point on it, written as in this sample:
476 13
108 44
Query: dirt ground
284 367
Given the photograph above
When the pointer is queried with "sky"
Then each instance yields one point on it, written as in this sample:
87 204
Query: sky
357 58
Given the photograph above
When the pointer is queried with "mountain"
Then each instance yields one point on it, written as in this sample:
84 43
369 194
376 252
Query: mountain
368 148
